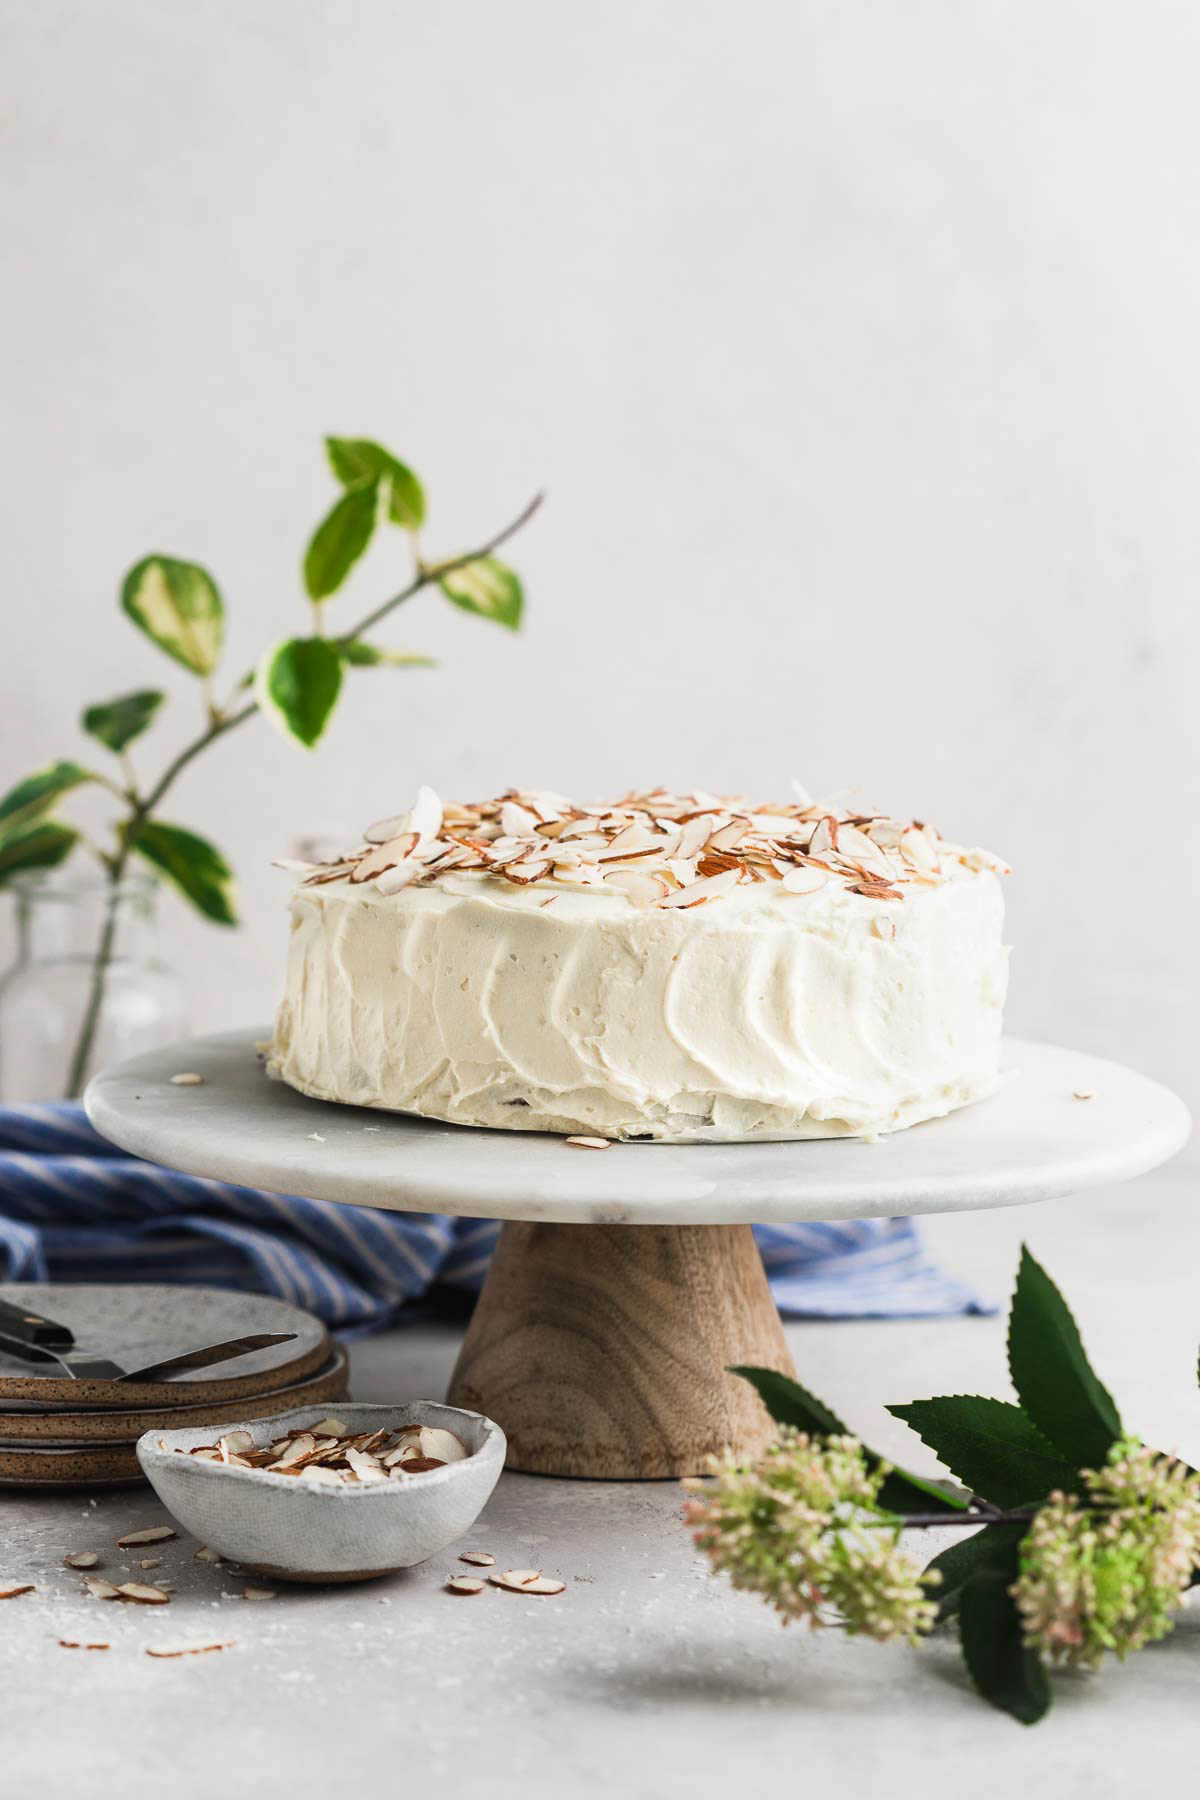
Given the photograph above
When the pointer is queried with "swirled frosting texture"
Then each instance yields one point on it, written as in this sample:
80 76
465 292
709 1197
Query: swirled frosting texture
770 1013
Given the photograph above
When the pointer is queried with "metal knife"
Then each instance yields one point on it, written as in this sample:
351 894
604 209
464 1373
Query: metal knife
34 1338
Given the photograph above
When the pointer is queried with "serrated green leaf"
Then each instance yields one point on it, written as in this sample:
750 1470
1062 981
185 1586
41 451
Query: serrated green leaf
790 1404
340 540
117 722
193 865
1007 1674
994 1448
487 587
42 845
297 684
1057 1385
359 459
370 656
179 607
39 792
985 1549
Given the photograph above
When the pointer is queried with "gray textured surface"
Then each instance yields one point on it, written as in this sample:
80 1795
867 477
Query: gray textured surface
646 1678
1031 1141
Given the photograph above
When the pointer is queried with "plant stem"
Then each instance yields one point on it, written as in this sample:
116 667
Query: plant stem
142 806
973 1516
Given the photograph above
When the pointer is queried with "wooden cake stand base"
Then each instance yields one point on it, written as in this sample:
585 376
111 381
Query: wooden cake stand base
604 1349
628 1281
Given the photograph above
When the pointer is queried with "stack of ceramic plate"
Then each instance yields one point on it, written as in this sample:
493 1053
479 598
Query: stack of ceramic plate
59 1430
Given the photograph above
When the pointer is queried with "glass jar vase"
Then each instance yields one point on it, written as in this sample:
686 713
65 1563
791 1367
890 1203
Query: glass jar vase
86 989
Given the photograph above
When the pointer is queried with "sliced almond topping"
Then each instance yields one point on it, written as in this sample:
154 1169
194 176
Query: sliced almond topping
317 1474
465 1584
392 881
154 1534
234 1443
100 1589
641 888
82 1559
325 1428
709 887
149 1562
258 1593
204 1554
802 880
300 1446
387 856
10 1589
482 1559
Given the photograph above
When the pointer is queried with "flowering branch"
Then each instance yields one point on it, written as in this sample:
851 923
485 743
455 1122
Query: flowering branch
1071 1556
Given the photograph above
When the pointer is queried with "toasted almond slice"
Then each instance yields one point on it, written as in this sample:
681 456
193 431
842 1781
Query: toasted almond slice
803 880
10 1589
143 1592
384 856
300 1446
367 1468
919 851
74 1644
426 816
589 1143
392 881
258 1593
234 1443
729 836
527 1581
204 1554
465 1584
693 835
825 835
642 888
100 1589
317 1474
149 1562
418 1465
435 1441
154 1534
385 829
709 887
82 1559
205 1453
326 1428
517 820
1084 1094
482 1559
166 1650
188 1078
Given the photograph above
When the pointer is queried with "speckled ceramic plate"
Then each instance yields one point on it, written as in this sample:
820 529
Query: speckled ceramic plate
139 1324
24 1464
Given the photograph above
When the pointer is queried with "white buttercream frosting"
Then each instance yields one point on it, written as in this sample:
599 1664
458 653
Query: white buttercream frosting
861 995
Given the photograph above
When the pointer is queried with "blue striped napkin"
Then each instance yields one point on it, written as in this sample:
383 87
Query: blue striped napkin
75 1208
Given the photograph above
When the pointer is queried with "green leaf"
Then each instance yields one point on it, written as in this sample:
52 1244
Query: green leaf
991 1446
39 792
297 684
959 1562
358 459
370 656
790 1404
1051 1373
340 539
1007 1674
39 846
178 606
195 866
117 722
487 587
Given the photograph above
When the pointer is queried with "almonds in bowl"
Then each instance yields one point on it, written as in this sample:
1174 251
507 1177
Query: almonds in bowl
392 1486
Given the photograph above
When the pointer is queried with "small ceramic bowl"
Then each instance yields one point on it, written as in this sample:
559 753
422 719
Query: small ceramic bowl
297 1531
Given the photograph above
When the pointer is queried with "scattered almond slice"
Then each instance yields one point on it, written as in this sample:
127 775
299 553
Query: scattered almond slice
75 1644
143 1592
392 881
709 887
204 1554
527 1581
465 1584
258 1593
82 1559
100 1589
482 1559
188 1649
10 1589
1084 1094
154 1534
589 1143
188 1079
150 1562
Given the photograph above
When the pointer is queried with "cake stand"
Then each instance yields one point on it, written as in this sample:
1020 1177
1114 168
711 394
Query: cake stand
627 1280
